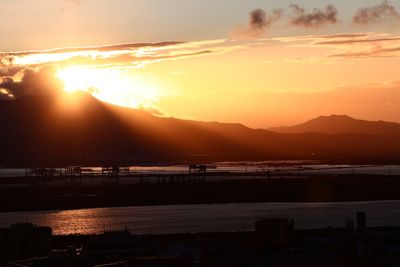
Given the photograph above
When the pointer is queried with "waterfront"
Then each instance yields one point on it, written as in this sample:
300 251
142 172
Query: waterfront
291 167
204 218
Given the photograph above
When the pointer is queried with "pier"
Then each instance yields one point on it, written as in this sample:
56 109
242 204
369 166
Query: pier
106 175
189 174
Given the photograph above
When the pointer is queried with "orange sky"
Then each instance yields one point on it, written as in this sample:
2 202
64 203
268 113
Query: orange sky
279 76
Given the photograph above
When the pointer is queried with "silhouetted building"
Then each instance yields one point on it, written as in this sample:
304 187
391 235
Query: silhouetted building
25 240
361 222
274 232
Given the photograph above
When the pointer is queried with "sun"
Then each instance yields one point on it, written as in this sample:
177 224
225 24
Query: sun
110 85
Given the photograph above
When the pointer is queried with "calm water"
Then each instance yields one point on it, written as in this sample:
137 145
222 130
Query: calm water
205 218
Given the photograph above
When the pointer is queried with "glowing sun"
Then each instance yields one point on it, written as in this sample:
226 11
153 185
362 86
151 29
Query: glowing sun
109 85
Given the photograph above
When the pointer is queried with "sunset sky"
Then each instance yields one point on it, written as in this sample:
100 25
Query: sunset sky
257 62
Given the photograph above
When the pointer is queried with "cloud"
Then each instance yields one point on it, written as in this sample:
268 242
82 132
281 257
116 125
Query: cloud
359 41
24 73
43 81
10 61
376 14
6 71
357 45
371 46
315 19
124 56
322 38
102 48
372 53
259 21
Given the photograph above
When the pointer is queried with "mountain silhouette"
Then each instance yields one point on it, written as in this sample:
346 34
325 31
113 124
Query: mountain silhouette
339 124
52 130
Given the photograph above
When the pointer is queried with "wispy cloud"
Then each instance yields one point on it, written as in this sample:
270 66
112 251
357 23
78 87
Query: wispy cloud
72 53
320 38
359 41
371 53
25 73
122 56
357 45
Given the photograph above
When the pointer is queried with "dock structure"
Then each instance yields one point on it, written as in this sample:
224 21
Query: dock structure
107 175
110 175
191 173
197 173
73 175
41 176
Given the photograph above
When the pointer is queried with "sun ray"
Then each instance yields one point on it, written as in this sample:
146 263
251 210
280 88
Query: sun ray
110 85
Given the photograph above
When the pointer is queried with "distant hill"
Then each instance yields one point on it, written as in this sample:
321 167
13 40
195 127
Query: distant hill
52 130
339 124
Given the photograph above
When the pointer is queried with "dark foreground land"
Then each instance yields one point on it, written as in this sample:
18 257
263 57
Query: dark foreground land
274 242
311 189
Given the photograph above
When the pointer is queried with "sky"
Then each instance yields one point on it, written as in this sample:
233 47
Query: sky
257 62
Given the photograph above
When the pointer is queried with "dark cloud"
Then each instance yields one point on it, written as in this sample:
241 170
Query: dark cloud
376 14
6 71
259 21
43 81
314 19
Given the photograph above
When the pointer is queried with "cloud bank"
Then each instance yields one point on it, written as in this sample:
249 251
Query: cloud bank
376 14
34 72
313 19
261 20
42 81
120 56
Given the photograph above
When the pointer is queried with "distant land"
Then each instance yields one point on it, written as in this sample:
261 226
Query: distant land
339 124
41 130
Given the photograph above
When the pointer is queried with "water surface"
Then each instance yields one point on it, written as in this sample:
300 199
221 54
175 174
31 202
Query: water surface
205 218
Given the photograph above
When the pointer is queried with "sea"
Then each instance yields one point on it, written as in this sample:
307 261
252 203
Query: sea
229 217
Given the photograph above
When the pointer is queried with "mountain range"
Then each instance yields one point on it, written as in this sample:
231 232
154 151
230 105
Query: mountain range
76 129
339 124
